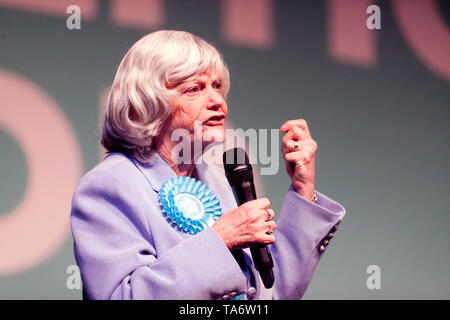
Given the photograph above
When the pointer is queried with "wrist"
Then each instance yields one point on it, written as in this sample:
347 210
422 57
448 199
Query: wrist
306 193
220 232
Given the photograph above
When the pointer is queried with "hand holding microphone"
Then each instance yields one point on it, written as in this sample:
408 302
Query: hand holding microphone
246 226
249 225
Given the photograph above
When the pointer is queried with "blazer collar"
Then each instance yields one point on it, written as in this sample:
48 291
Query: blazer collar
157 171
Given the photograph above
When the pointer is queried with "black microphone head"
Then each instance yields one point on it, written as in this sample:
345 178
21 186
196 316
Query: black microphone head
237 166
234 158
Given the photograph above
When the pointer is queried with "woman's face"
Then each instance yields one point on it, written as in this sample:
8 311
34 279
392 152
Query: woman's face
199 106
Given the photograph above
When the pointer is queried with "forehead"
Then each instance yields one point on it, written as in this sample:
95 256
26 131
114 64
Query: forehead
211 74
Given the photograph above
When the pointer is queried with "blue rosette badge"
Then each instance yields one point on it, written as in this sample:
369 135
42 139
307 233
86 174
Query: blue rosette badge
189 203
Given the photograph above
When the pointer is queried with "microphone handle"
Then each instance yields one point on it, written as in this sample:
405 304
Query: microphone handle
262 258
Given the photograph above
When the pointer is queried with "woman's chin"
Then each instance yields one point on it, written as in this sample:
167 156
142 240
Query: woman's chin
215 135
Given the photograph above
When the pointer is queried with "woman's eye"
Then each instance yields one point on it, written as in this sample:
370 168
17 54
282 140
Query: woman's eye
218 85
192 90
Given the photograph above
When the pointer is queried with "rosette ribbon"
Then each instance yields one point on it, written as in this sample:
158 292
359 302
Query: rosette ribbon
189 203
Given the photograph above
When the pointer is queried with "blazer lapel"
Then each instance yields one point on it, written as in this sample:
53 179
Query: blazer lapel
156 172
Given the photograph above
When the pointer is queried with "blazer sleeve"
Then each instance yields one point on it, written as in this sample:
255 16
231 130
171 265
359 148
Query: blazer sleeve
116 253
304 229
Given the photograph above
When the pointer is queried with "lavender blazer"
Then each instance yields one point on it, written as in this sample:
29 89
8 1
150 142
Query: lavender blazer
126 249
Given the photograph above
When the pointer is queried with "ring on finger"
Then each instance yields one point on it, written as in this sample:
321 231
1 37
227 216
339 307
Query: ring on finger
270 214
296 145
269 231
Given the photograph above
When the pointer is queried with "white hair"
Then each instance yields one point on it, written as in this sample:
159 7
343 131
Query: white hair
137 104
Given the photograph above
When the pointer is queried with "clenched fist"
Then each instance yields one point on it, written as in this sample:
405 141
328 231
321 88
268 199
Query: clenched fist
299 152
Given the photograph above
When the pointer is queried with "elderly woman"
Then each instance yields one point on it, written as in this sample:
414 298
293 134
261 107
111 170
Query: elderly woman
134 240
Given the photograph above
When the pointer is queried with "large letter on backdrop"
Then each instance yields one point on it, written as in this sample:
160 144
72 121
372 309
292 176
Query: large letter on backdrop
89 8
349 39
39 224
426 33
249 23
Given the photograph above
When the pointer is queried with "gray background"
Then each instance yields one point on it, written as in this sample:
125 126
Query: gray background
382 132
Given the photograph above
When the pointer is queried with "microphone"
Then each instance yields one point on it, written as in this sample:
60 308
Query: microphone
239 173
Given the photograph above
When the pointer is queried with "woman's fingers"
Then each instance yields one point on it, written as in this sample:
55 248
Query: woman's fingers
270 226
248 225
297 131
293 123
305 151
260 203
270 214
297 134
299 149
267 238
293 145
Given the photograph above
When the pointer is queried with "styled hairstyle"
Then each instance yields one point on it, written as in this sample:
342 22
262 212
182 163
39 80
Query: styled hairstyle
138 103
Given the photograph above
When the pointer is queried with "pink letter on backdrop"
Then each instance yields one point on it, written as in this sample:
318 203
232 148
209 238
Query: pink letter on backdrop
88 8
39 224
426 33
349 39
145 14
248 23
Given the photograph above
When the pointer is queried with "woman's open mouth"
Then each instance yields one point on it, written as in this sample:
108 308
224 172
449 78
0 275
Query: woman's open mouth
218 120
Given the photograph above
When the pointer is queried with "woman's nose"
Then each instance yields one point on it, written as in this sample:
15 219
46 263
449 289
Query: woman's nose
215 100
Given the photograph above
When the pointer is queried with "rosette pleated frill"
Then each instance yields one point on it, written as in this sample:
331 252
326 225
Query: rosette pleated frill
189 203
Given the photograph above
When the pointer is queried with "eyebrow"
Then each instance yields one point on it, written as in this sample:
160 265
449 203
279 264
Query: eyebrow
194 78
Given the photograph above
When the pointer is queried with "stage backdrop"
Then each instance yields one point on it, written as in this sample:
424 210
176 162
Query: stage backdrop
372 82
